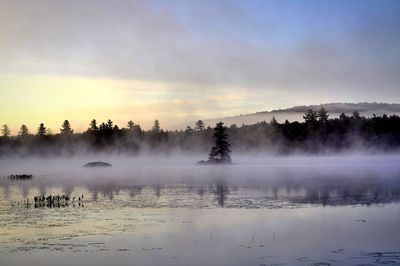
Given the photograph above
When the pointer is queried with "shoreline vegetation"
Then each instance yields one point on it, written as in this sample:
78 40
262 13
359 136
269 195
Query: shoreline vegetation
318 134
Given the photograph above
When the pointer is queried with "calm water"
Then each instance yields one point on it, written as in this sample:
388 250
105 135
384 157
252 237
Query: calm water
273 211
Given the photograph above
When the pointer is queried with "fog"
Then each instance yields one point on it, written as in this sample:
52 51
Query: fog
163 167
302 179
168 210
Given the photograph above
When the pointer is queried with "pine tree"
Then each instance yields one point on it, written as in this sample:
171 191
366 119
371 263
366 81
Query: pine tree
310 117
200 125
5 131
93 125
110 124
343 116
220 152
41 130
356 115
131 125
273 122
23 132
189 129
156 127
322 115
66 128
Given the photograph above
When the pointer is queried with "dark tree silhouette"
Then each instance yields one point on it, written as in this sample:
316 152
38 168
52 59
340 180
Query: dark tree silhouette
131 125
41 130
5 131
110 124
103 127
66 128
310 117
23 132
200 126
343 117
334 135
93 125
189 129
273 122
220 152
221 191
322 115
356 115
156 127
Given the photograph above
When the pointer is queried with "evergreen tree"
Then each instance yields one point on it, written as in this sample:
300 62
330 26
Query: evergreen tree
93 125
356 115
5 131
273 122
343 116
103 127
220 152
138 130
23 132
131 125
41 130
66 128
310 117
189 129
322 115
110 124
200 126
156 127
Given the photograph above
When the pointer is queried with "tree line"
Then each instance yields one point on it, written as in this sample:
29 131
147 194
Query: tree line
318 133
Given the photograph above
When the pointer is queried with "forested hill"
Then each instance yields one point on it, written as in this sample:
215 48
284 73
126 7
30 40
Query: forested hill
296 113
338 108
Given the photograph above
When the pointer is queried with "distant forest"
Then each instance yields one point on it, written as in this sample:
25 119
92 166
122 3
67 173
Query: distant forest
317 134
338 108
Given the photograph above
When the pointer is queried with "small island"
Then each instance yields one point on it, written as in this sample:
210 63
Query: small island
220 152
97 164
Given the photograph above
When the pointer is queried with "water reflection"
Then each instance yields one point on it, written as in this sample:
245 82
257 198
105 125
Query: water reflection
222 190
239 215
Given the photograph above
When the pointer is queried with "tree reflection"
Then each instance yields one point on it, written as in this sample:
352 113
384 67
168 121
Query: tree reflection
221 191
331 190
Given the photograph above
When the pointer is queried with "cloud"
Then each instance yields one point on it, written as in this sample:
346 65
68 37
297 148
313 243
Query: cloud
209 47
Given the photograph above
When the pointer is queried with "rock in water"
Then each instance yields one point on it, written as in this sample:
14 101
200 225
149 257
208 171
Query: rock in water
97 164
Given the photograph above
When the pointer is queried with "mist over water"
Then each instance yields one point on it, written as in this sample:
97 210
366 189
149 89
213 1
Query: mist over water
157 210
324 180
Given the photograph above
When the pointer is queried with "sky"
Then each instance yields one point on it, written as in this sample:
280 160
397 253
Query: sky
179 61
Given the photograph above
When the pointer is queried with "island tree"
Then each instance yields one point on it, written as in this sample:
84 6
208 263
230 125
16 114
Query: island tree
220 152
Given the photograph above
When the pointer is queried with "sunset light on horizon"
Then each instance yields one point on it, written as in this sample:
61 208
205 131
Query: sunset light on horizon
179 61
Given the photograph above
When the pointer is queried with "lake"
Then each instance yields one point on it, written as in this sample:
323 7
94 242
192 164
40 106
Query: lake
168 211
